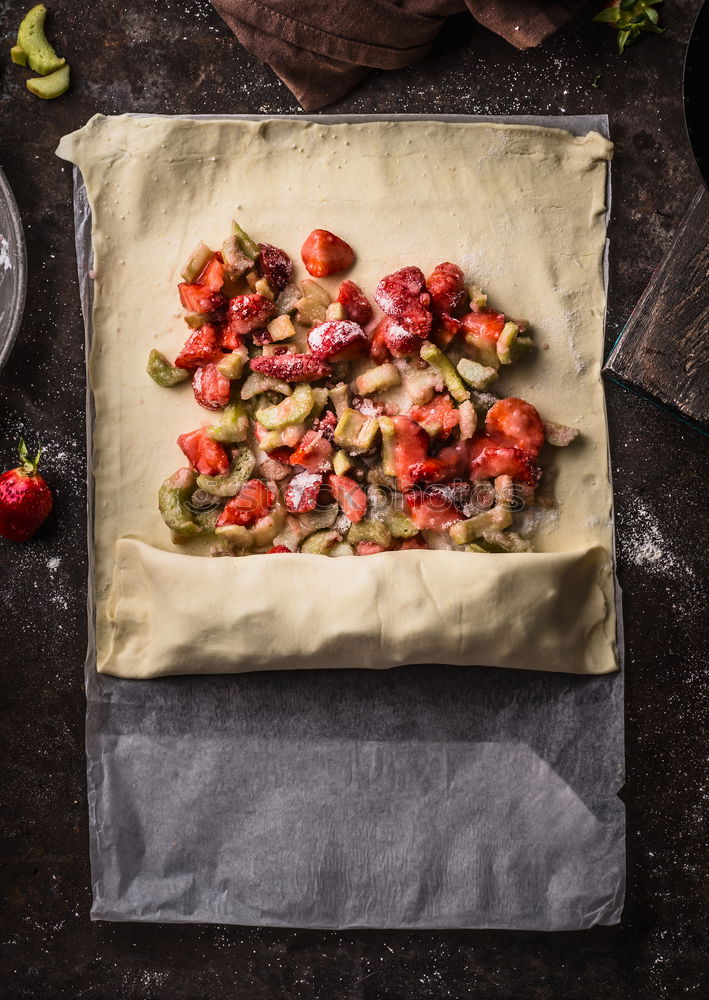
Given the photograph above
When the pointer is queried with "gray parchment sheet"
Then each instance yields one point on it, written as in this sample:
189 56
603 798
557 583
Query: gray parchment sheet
425 796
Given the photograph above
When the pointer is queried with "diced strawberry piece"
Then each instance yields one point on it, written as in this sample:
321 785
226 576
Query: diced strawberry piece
355 303
395 292
326 424
417 542
313 452
410 449
432 509
440 413
292 367
455 458
485 324
212 277
279 548
208 457
430 470
490 459
248 312
445 329
368 548
229 340
275 265
338 340
302 492
399 341
198 299
402 295
254 500
351 497
513 421
324 253
211 389
377 345
201 348
279 454
446 287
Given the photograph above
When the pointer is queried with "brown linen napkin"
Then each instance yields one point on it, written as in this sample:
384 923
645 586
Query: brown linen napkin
321 49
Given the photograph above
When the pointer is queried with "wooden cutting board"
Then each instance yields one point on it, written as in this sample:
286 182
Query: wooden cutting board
663 350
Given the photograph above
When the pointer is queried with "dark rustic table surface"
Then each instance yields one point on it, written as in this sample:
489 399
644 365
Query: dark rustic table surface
177 56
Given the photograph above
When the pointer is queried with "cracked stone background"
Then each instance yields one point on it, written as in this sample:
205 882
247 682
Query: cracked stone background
177 56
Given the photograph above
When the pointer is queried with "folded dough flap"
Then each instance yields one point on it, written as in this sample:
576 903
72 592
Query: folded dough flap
169 613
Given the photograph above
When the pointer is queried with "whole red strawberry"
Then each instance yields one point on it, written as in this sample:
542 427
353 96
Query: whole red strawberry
25 499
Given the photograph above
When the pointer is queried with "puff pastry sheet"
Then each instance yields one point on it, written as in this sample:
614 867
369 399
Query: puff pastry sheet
522 210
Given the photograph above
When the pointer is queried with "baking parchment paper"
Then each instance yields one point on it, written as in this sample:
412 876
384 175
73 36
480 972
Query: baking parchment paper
419 797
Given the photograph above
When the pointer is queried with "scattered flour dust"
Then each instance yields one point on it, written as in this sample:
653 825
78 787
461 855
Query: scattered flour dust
643 543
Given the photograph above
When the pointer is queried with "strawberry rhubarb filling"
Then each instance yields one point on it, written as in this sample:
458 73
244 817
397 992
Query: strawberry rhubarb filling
353 424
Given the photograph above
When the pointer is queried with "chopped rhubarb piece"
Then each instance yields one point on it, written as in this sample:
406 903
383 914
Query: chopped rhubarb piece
417 542
338 340
438 418
200 257
253 501
311 306
559 435
324 253
291 410
212 277
275 266
402 295
490 459
445 329
397 339
248 312
162 372
369 548
278 548
236 262
211 389
432 509
373 380
355 303
438 360
173 503
206 456
201 348
301 494
514 422
292 367
231 365
313 452
351 497
446 288
198 299
486 324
